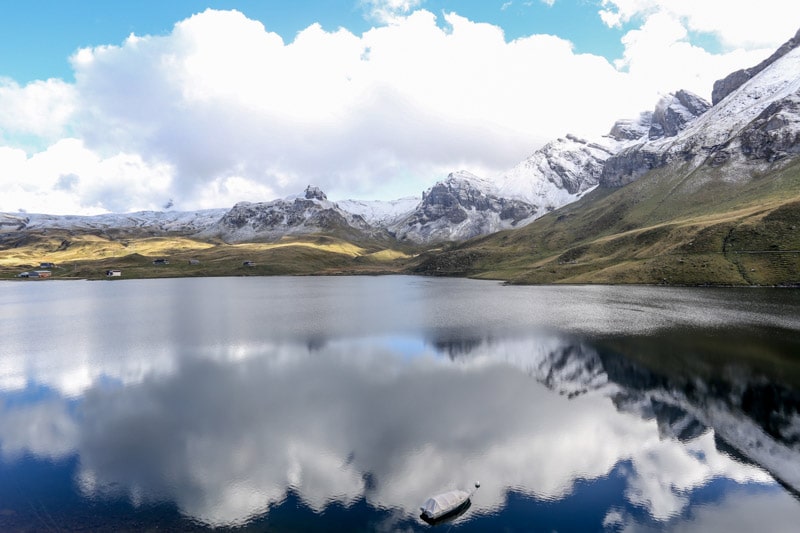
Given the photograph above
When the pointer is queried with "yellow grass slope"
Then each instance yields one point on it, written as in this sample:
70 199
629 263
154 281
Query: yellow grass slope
89 256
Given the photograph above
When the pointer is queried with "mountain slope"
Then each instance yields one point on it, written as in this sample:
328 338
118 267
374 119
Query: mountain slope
717 203
663 228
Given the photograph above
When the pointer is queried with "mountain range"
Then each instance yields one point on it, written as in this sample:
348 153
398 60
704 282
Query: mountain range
687 389
704 195
457 208
689 192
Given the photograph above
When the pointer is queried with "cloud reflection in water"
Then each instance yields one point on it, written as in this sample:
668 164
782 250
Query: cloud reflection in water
229 396
226 436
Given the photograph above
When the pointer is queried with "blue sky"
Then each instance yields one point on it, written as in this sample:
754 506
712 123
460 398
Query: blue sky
132 105
40 35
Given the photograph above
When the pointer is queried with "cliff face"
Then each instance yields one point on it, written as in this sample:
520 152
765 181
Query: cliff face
461 207
734 80
674 112
755 121
775 133
672 115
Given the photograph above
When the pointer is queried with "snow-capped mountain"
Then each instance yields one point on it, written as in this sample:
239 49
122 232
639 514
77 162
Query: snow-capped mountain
311 213
155 222
563 170
673 112
626 129
734 80
558 173
460 207
755 122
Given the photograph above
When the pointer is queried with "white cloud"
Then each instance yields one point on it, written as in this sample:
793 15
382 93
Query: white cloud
221 110
660 57
41 108
69 178
737 23
388 11
405 103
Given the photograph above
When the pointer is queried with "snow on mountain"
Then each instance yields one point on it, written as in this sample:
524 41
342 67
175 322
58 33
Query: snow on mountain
777 86
756 123
185 222
625 130
557 174
460 207
312 213
734 80
673 112
563 170
378 212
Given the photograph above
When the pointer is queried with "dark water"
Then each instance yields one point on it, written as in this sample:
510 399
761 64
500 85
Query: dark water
341 404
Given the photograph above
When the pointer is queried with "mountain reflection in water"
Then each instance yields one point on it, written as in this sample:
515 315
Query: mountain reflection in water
682 428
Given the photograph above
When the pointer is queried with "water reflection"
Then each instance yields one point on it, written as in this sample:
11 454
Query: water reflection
632 432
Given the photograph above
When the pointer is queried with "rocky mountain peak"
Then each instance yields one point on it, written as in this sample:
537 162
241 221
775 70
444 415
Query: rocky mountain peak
460 207
447 198
757 123
315 193
462 178
734 80
305 214
632 129
673 112
557 173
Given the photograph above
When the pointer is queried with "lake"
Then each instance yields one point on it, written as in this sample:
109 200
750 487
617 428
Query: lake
343 403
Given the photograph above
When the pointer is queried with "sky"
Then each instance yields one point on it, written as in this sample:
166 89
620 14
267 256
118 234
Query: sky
149 105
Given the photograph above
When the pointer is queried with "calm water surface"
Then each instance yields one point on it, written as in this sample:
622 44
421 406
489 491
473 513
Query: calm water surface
323 404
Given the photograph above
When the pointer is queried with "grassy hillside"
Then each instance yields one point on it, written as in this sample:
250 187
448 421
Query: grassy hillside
675 225
89 256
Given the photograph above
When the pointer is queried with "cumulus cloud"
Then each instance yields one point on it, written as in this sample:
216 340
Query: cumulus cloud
660 57
39 109
221 97
68 177
221 110
737 24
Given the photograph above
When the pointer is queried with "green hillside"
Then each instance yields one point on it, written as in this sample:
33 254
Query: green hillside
675 225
